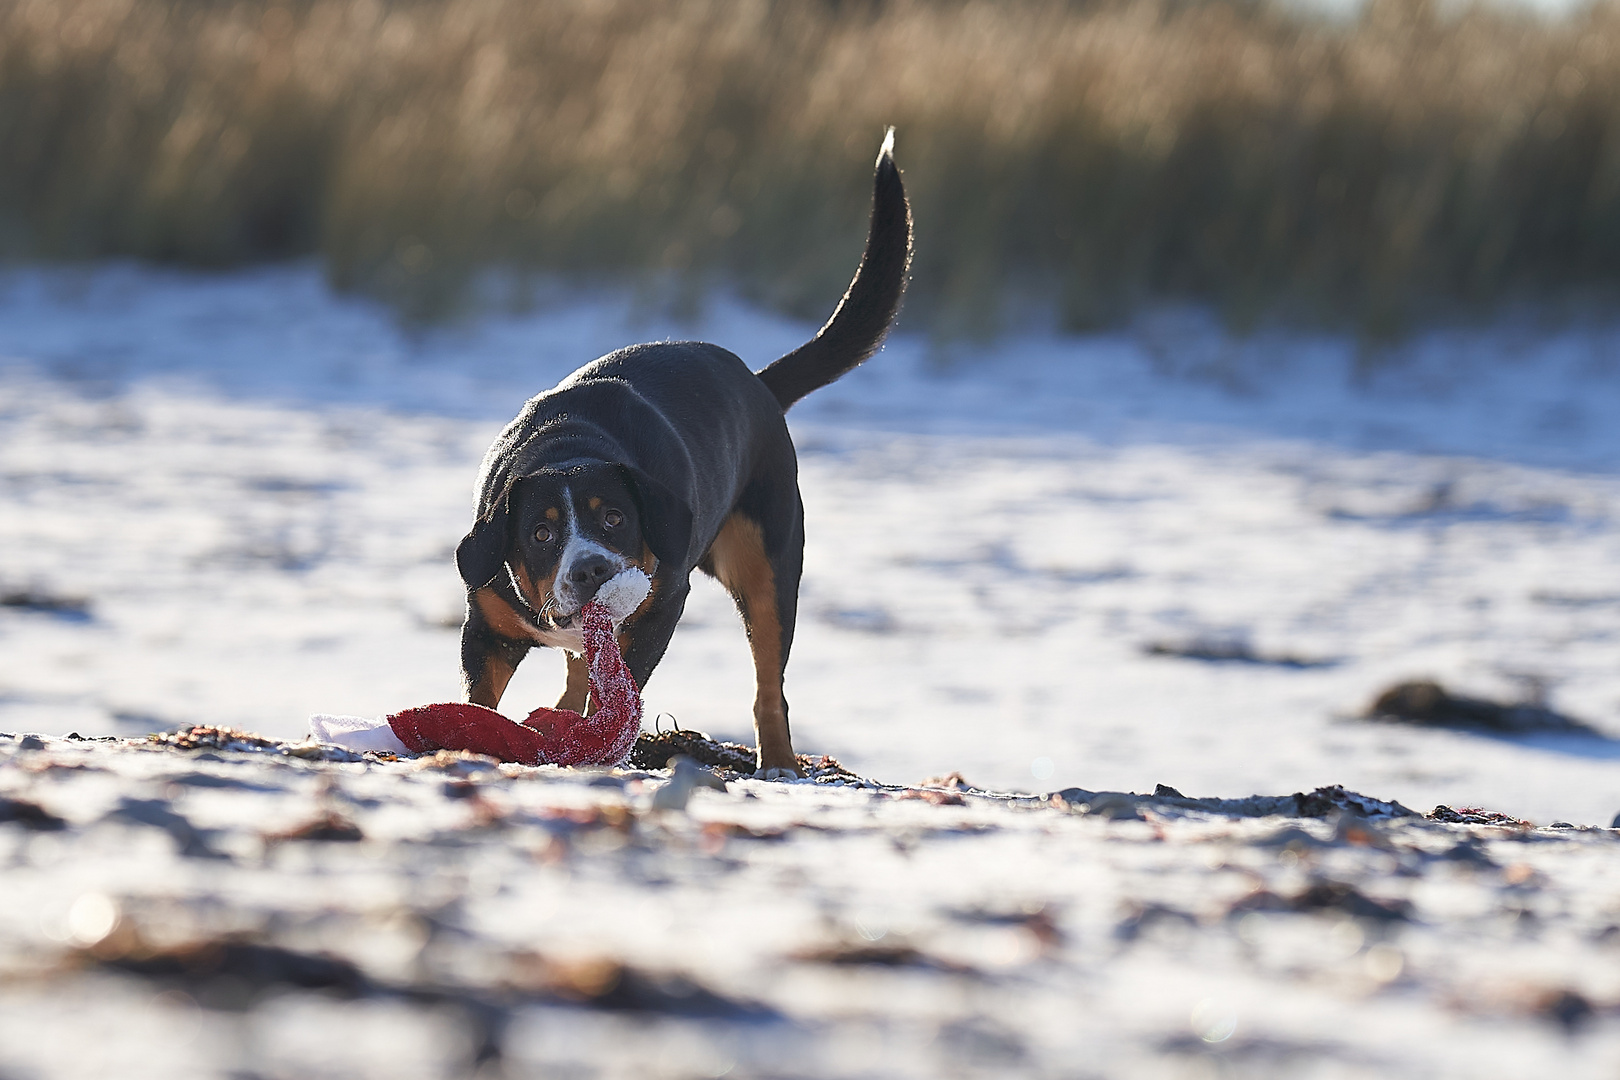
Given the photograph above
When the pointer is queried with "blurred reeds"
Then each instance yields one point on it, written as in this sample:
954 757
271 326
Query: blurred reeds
1089 155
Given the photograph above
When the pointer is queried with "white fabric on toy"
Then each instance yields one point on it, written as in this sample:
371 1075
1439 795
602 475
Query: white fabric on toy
356 733
622 593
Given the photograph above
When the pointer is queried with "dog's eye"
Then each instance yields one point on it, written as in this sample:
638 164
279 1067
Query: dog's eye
542 534
613 518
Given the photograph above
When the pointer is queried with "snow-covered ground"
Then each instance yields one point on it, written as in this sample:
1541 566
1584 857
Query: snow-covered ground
173 915
258 486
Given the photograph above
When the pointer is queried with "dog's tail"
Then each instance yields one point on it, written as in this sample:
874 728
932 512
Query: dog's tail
862 318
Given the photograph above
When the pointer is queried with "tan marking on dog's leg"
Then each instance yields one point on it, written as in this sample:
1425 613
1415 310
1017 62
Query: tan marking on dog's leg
492 681
579 684
739 561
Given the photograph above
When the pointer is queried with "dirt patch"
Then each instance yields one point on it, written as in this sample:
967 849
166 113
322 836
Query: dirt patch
1227 651
1324 802
1474 815
208 737
1428 704
229 972
613 985
211 737
1326 895
29 815
47 603
331 827
879 954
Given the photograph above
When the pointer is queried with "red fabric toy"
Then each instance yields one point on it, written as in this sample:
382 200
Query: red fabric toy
548 736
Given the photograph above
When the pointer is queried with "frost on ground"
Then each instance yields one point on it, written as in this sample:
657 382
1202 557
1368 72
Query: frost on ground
1157 557
175 914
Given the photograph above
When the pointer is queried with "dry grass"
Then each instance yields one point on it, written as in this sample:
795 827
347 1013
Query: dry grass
1098 153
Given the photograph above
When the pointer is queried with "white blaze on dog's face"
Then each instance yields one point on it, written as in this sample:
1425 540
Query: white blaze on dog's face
585 562
573 533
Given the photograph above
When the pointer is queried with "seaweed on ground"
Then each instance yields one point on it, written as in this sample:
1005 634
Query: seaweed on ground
655 750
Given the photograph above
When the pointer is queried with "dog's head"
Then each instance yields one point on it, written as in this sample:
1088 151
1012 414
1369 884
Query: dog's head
564 530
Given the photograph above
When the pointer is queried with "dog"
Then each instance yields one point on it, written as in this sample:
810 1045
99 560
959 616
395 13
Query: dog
669 457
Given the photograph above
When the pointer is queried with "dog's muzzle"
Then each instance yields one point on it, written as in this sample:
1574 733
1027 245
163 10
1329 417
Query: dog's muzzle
578 582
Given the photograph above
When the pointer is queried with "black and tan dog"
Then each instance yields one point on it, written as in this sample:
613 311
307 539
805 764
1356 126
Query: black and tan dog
670 457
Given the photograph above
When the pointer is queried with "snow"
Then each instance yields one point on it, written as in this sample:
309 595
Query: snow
258 486
576 926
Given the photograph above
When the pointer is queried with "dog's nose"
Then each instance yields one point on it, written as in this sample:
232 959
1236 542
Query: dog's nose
588 572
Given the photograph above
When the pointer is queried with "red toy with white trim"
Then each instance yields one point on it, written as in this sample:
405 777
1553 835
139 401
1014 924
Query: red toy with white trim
547 736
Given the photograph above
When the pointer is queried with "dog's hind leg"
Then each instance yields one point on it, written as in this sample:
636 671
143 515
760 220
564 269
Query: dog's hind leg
763 577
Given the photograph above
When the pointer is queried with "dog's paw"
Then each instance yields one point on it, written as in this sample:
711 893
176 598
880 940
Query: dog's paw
776 774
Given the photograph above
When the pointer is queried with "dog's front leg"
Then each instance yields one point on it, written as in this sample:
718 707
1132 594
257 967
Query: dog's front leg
488 660
645 635
579 684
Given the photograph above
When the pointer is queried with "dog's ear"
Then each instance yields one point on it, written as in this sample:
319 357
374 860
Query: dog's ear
482 551
666 519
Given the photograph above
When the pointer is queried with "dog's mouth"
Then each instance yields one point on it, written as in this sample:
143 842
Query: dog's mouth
566 601
564 620
550 613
